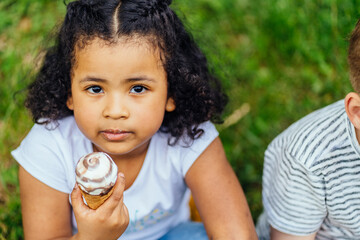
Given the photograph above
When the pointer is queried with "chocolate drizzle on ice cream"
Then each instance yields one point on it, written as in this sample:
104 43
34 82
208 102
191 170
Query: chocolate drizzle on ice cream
96 173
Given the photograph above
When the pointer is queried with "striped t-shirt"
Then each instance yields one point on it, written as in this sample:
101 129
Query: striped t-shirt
311 178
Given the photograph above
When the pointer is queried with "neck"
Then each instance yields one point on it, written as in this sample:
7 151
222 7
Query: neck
130 163
357 131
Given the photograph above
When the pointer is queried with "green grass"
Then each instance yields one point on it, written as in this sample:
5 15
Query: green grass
283 58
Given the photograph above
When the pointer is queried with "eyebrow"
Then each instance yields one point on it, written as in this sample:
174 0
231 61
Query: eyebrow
101 80
92 79
140 78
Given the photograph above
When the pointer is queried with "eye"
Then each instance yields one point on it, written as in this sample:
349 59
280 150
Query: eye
95 89
138 89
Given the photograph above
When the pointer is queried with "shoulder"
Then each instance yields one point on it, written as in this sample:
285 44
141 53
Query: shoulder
55 136
183 154
310 170
311 138
63 127
208 133
49 152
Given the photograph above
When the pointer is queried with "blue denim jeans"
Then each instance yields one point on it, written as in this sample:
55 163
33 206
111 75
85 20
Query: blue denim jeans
187 231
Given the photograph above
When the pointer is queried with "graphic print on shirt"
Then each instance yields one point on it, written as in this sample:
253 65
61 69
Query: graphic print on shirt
148 220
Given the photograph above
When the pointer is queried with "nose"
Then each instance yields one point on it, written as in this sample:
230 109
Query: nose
116 108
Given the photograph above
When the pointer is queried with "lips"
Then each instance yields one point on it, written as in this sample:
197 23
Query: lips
115 135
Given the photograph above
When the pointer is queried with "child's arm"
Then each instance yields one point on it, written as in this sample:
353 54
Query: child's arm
219 196
277 235
47 213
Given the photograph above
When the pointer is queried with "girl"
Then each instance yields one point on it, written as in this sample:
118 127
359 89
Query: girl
125 78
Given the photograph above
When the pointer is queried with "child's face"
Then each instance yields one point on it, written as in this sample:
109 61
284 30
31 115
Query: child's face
119 95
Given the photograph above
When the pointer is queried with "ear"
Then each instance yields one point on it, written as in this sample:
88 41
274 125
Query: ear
170 105
352 108
69 102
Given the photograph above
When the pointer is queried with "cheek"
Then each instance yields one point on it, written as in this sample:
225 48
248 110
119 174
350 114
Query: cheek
83 118
84 114
87 123
153 114
150 114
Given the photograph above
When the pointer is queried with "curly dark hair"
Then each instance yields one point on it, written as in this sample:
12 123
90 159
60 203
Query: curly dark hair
197 93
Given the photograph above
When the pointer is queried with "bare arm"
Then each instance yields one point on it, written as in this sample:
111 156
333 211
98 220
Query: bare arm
277 235
219 197
47 212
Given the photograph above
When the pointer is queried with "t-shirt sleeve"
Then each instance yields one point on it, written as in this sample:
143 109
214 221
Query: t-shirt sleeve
40 155
293 196
190 154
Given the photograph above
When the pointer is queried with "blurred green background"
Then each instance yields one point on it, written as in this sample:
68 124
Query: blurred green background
278 60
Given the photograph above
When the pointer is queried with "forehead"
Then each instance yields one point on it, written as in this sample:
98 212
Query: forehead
123 56
88 44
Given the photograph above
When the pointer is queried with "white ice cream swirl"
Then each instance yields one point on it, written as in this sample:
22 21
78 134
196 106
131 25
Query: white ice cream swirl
96 173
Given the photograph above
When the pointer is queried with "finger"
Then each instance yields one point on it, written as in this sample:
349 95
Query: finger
77 200
117 196
125 213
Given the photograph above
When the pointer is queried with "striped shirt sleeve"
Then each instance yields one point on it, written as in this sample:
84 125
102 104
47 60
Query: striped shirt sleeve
293 196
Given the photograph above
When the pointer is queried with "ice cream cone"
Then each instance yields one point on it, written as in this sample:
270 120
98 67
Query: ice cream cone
95 201
96 175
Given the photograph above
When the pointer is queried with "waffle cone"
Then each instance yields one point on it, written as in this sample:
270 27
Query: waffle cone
94 201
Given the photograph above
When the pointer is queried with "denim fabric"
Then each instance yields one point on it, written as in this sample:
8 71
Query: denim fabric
187 231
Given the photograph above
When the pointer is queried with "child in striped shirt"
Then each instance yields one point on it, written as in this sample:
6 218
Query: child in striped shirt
311 176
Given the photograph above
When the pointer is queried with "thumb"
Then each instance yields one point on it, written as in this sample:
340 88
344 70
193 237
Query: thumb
119 186
117 195
77 200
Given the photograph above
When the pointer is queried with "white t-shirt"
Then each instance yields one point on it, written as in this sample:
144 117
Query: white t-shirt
311 178
158 198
